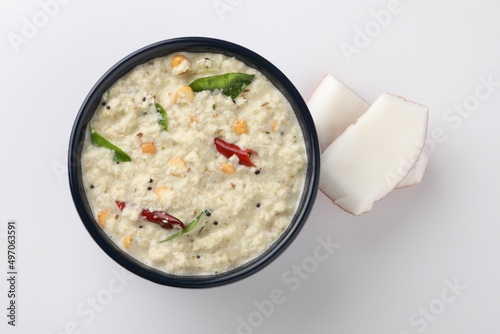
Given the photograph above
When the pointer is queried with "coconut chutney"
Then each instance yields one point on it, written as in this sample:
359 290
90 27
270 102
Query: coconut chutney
173 138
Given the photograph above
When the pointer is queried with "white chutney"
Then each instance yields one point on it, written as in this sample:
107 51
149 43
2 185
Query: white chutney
181 172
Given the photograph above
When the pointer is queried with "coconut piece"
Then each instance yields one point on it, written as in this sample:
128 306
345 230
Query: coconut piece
334 107
416 174
373 156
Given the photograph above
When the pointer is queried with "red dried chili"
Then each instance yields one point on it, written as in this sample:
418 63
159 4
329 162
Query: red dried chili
159 217
121 205
228 150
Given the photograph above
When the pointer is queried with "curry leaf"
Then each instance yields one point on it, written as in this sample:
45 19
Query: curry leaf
164 119
99 140
188 228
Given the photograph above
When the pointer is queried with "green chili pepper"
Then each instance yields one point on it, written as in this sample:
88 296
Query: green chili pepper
230 84
188 228
99 140
164 119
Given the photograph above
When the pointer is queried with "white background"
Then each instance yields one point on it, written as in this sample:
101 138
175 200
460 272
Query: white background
391 264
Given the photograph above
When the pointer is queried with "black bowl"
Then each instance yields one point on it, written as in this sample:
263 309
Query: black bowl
163 48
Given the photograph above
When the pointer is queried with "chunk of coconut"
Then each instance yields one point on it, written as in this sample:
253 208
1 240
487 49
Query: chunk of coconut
416 174
334 107
373 156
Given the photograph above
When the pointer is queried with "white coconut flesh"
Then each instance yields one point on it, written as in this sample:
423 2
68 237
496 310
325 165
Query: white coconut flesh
370 158
334 107
416 174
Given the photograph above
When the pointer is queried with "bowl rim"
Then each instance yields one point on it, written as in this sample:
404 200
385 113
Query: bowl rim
193 44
